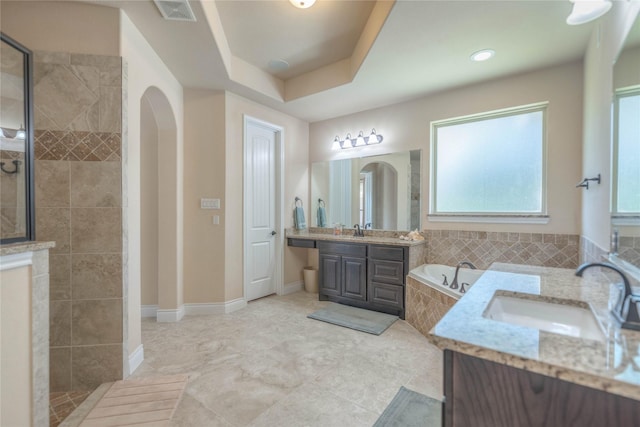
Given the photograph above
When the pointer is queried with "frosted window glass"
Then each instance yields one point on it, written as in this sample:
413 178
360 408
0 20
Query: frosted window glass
628 154
491 165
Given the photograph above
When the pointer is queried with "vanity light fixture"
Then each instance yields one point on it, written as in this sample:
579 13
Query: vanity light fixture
483 55
359 141
302 4
587 10
21 133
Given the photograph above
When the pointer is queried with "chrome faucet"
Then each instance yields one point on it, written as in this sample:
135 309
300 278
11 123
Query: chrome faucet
626 309
454 284
358 231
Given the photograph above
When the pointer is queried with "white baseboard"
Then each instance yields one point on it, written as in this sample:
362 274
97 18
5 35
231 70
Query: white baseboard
234 305
174 315
292 287
149 310
192 309
215 307
135 359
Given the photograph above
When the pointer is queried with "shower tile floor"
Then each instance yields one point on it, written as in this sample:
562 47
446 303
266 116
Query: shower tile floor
61 404
269 365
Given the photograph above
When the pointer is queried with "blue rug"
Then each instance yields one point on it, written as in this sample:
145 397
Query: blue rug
411 409
368 321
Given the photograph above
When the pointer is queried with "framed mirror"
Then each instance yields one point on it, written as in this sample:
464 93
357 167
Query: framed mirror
625 191
16 143
377 192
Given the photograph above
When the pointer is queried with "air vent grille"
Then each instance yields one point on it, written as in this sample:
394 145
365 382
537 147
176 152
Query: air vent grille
175 10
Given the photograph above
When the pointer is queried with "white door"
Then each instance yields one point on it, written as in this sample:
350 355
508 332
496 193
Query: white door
261 238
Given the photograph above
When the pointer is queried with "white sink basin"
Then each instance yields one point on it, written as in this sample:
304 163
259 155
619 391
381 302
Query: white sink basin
546 316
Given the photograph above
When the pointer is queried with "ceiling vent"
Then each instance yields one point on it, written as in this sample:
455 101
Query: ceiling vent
175 10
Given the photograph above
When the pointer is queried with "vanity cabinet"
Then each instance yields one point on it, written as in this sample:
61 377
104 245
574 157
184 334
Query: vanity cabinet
363 275
481 393
343 271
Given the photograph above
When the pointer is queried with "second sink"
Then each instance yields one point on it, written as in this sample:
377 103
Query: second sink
560 318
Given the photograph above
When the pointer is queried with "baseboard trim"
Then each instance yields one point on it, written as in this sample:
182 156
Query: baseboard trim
292 287
174 315
149 310
135 359
234 305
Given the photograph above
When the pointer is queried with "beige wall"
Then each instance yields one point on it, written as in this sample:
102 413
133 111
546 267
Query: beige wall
296 183
15 347
406 126
145 69
204 153
62 26
605 44
148 204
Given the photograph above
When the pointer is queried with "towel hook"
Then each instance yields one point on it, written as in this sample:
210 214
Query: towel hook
297 199
585 182
321 203
16 169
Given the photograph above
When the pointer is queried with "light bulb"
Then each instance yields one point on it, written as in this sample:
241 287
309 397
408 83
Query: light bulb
302 4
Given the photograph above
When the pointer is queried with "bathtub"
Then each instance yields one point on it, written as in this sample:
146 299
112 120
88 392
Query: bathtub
433 275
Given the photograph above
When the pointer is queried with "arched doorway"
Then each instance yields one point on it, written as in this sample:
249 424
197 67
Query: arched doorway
160 207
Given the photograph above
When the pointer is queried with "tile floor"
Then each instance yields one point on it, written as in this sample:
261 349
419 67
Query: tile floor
61 404
268 365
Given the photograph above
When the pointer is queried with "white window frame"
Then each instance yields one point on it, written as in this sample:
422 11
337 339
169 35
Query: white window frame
620 218
489 217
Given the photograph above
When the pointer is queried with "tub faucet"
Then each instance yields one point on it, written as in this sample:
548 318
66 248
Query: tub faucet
454 283
358 231
626 310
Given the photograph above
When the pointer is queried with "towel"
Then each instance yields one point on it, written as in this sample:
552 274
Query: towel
322 216
298 218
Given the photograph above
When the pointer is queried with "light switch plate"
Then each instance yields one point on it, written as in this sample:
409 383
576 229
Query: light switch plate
209 203
216 220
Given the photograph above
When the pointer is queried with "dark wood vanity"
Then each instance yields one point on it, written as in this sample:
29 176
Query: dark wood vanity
366 272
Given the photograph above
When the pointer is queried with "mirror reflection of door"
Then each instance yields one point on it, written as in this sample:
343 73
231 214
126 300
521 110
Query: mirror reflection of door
14 206
366 200
383 194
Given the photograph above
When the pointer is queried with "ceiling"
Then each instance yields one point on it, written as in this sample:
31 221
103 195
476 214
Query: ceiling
349 56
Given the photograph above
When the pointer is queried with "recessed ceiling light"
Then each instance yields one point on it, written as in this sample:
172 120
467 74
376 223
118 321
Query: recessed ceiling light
278 65
483 55
302 4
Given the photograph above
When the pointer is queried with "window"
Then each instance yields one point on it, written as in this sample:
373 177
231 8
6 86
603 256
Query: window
626 176
489 164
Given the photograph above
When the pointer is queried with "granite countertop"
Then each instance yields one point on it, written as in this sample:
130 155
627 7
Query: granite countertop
16 248
375 237
612 365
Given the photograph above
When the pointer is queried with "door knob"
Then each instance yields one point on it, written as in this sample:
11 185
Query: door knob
273 233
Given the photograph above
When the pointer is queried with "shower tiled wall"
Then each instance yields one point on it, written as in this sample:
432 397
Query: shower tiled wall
78 170
449 247
12 206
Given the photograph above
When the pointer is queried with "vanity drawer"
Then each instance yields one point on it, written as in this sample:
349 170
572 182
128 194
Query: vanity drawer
301 243
391 272
390 253
350 249
387 295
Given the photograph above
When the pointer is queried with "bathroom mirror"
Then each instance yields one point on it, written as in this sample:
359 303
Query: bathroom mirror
379 192
16 148
625 191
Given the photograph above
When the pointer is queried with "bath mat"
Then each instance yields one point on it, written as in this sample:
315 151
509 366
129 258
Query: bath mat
409 409
368 321
132 402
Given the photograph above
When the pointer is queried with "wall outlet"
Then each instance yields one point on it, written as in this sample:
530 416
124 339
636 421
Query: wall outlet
209 203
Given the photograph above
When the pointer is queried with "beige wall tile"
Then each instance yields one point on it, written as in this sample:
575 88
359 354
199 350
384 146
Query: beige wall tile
52 183
94 365
97 322
96 230
60 277
96 276
95 184
60 369
60 323
53 224
110 109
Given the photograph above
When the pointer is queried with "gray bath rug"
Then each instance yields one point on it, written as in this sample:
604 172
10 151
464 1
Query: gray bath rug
368 321
409 409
